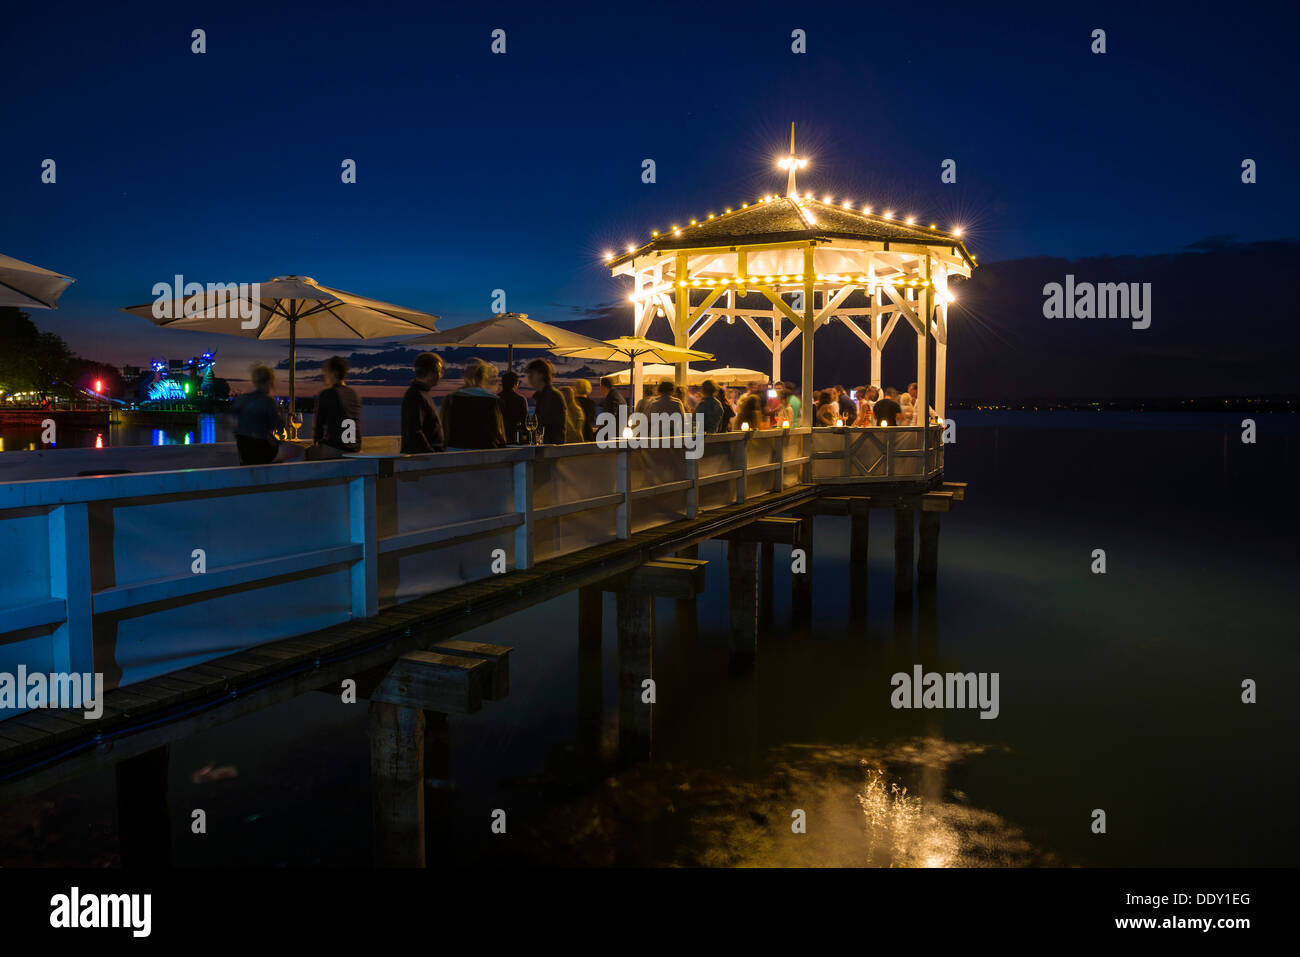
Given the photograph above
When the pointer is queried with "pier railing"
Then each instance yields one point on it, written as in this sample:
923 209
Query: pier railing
136 575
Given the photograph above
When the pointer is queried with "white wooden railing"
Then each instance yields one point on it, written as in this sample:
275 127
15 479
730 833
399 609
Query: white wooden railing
139 574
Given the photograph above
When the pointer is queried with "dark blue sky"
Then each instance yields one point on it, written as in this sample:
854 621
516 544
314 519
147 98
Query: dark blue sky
478 172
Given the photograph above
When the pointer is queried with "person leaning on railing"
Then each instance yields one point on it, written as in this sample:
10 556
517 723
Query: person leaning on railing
582 391
471 416
514 408
887 411
710 407
258 424
421 427
336 426
547 403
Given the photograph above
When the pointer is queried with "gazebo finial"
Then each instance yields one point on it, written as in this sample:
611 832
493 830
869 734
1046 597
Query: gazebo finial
791 163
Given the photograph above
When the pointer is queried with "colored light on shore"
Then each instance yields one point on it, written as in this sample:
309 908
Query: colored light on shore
99 385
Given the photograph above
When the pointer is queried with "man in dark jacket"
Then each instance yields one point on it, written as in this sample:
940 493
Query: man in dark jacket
337 423
613 398
421 427
514 408
887 410
548 404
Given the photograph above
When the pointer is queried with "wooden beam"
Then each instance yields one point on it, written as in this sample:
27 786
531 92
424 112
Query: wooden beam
776 531
663 578
496 656
430 681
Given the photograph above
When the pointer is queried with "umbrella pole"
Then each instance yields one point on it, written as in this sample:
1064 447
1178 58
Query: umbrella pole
293 348
510 358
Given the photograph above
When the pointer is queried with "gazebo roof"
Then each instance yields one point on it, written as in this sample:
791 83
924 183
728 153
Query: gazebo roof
781 219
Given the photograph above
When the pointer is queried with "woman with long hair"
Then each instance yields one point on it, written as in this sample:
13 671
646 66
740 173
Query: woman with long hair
573 415
471 416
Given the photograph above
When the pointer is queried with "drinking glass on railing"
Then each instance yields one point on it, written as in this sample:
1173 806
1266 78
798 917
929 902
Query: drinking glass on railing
530 424
295 422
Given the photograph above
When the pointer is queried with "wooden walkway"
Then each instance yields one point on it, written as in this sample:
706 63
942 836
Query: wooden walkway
42 747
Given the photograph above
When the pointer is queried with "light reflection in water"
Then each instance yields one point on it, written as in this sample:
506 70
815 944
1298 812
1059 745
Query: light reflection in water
864 807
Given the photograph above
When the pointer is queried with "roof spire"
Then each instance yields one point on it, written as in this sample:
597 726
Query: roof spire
791 163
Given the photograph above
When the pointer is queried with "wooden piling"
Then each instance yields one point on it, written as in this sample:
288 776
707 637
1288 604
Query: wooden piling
636 628
801 583
397 784
766 583
904 547
859 529
927 565
143 821
742 600
590 695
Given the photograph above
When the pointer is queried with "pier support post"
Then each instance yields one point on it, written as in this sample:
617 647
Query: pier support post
636 642
766 583
801 583
859 530
742 601
590 703
143 822
927 565
904 547
397 784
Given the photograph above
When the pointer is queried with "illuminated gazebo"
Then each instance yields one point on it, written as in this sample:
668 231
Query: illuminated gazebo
784 265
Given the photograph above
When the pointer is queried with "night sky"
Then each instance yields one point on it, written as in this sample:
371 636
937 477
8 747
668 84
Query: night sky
479 171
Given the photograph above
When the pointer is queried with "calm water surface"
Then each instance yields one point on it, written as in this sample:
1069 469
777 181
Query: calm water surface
1118 691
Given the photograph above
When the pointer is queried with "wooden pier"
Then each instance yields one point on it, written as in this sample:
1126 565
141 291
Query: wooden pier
757 492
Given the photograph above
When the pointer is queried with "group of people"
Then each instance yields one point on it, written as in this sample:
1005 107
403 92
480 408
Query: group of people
476 417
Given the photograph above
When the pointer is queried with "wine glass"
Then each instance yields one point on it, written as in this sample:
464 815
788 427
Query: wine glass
295 422
530 424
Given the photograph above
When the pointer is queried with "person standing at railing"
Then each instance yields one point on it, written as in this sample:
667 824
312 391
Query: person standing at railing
547 404
421 427
582 391
514 408
613 398
828 410
848 408
887 411
258 424
710 408
863 418
471 416
337 423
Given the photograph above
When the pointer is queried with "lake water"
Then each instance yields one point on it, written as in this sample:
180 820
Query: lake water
1118 691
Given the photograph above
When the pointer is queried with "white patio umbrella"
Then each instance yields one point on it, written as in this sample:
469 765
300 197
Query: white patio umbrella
728 375
30 287
507 331
287 307
653 372
636 350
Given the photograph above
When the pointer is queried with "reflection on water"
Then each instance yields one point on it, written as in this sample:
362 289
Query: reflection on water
872 807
